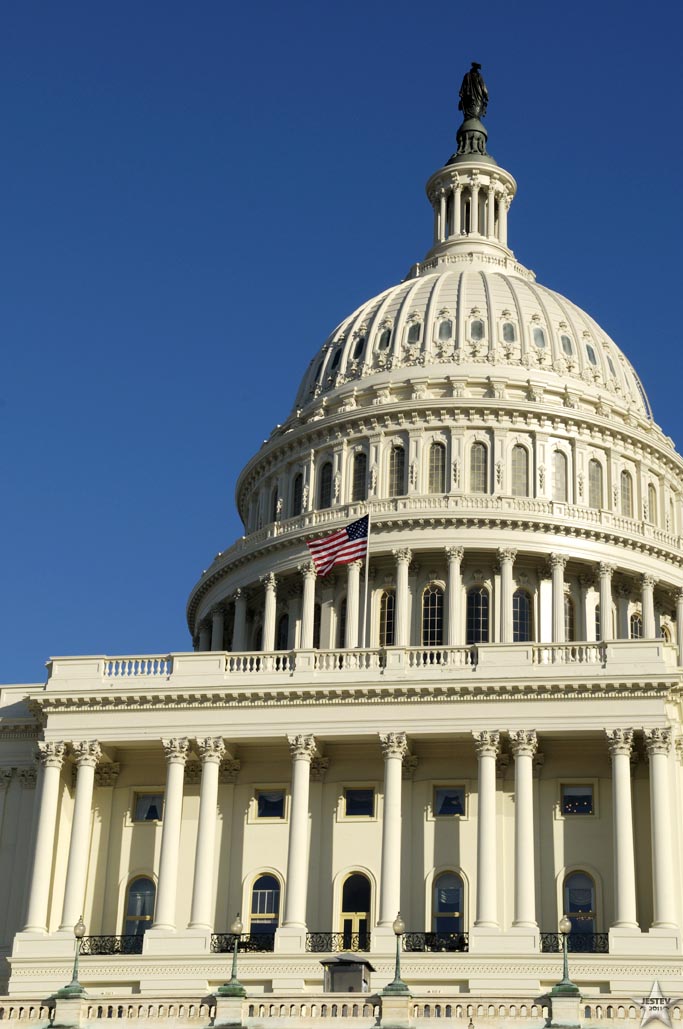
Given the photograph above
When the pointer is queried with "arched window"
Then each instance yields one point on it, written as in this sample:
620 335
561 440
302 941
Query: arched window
273 504
358 349
569 620
317 617
478 468
397 471
652 504
336 359
559 476
539 337
445 330
139 906
591 354
297 495
355 911
477 329
509 333
341 625
521 617
626 494
414 332
437 468
447 903
265 905
594 484
282 641
636 626
567 345
598 623
477 615
384 339
520 472
432 616
666 633
360 477
325 490
387 613
579 902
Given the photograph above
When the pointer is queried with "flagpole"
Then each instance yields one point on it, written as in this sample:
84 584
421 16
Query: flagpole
365 602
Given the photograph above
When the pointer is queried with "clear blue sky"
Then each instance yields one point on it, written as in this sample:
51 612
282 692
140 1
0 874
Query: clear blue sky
194 194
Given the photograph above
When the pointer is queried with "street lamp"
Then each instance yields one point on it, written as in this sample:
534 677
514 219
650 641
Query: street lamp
233 988
566 987
74 989
398 987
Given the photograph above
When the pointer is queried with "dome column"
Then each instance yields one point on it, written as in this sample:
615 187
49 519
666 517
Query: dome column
442 223
217 628
51 757
270 583
352 603
309 575
648 604
454 555
239 626
490 212
658 743
506 558
557 566
87 753
620 743
679 624
403 559
605 571
503 204
204 636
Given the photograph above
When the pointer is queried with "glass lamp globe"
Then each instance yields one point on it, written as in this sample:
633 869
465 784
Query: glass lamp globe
79 929
565 925
399 925
237 926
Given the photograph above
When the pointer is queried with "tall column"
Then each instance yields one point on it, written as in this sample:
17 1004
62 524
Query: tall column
167 891
457 206
453 635
302 749
586 625
352 595
87 753
605 571
506 558
217 623
403 559
648 602
204 636
211 751
620 742
474 208
486 744
623 592
503 203
490 212
442 220
239 628
524 744
309 574
557 565
270 584
394 749
658 743
51 756
679 624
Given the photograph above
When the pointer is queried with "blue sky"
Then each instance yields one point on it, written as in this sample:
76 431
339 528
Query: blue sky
193 195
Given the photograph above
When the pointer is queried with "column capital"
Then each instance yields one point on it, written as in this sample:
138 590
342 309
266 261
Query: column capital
211 749
619 741
657 741
175 749
51 753
319 766
605 570
403 555
393 744
358 564
5 778
586 580
523 742
239 594
229 770
302 747
506 555
678 594
269 581
308 570
86 753
217 609
486 743
454 553
107 773
648 581
27 777
558 561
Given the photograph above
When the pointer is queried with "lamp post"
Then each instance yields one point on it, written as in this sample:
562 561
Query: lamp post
234 987
74 989
397 987
566 987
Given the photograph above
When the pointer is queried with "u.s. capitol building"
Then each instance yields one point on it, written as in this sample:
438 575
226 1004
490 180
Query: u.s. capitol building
483 732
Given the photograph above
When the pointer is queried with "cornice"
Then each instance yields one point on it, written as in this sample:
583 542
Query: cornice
19 731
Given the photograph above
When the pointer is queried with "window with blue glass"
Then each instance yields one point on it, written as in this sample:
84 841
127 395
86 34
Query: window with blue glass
577 799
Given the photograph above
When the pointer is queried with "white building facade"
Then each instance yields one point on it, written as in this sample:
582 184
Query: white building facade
493 739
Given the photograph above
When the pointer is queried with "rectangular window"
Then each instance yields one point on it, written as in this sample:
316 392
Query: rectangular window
577 799
449 801
270 803
148 807
359 803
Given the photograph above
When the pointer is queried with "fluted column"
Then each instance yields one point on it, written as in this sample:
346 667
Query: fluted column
605 573
679 624
87 753
239 628
454 556
658 743
506 558
51 757
217 624
394 749
620 742
486 744
648 603
403 559
524 744
211 751
270 584
309 574
352 600
302 749
557 566
167 891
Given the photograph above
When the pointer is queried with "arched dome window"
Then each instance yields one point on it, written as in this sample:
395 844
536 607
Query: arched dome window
477 615
397 471
139 906
325 488
432 616
336 359
447 903
538 336
612 369
519 471
437 468
445 330
414 331
652 504
509 333
358 348
265 905
579 902
592 357
360 477
477 329
387 623
521 617
282 641
595 489
626 483
384 339
569 620
636 626
317 619
341 625
297 495
559 476
567 345
478 468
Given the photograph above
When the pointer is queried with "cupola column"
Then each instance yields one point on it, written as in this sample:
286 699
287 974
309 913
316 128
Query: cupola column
658 743
239 626
211 751
442 223
352 598
217 626
557 566
309 574
507 559
403 559
454 555
270 583
87 753
394 749
486 744
648 603
167 892
490 212
605 571
524 743
620 742
457 209
679 624
302 749
51 756
474 207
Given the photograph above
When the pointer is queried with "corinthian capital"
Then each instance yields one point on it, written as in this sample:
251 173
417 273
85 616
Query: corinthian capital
269 581
523 742
506 555
558 561
658 741
308 570
86 753
648 582
486 743
302 747
403 555
619 741
605 570
454 553
211 749
175 749
51 754
393 744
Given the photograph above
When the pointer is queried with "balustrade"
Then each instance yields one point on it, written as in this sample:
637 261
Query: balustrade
334 943
434 942
224 943
95 946
578 943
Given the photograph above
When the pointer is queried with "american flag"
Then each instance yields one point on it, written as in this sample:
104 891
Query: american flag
341 547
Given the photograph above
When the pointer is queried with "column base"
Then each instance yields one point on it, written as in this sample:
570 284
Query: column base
658 941
69 1011
29 943
290 939
228 1011
565 1011
518 939
383 940
396 1011
170 942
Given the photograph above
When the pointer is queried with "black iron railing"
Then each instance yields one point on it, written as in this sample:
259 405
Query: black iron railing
224 943
334 943
436 942
91 946
577 943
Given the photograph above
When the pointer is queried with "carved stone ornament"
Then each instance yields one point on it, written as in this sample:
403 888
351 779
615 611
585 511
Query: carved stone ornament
619 741
193 773
506 556
86 752
523 742
51 753
403 556
657 741
106 773
302 747
229 770
486 743
27 778
454 553
648 582
393 744
6 777
211 749
307 570
319 766
175 749
558 561
269 581
409 766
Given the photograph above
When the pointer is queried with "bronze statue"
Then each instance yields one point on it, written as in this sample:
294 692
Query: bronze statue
474 95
